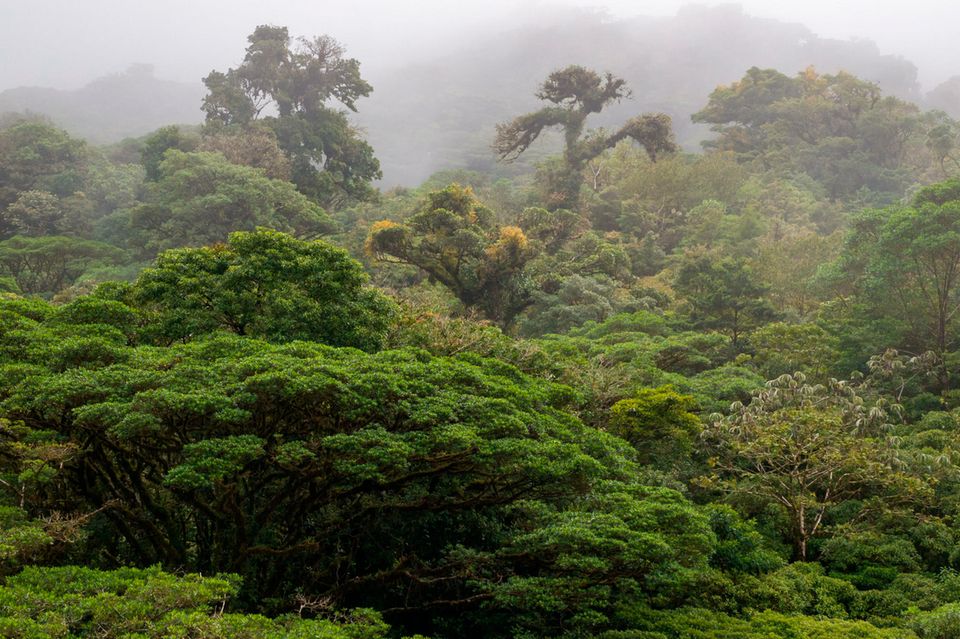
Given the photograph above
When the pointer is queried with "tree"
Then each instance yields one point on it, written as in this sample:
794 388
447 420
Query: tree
723 294
576 93
264 284
780 349
150 603
329 159
392 479
838 129
806 449
47 265
200 198
255 146
37 156
34 213
658 422
789 266
456 241
158 143
904 261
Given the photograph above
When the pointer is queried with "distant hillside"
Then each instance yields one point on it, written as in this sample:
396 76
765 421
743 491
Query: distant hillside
113 107
441 114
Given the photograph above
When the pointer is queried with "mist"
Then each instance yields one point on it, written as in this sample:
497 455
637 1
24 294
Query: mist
66 44
443 74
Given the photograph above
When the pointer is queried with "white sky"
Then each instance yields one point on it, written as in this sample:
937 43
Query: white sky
66 43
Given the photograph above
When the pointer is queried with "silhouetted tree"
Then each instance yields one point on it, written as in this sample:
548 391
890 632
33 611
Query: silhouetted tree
577 92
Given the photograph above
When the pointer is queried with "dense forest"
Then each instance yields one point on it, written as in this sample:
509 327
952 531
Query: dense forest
608 386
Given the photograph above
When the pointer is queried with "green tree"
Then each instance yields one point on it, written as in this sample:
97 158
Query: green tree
576 93
323 470
806 449
329 159
36 156
457 242
838 129
723 294
34 213
790 264
659 422
201 197
904 261
264 284
47 265
158 143
781 349
46 603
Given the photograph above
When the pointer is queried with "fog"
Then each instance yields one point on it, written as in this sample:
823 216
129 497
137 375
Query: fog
66 43
444 73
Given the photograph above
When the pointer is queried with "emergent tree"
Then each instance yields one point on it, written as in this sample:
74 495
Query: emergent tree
576 92
329 160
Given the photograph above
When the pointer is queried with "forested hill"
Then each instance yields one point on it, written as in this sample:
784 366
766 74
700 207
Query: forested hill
440 113
113 107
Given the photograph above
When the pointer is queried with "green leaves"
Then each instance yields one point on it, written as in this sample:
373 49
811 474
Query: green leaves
579 92
48 603
226 453
838 129
659 422
455 240
199 198
214 460
905 261
330 161
264 284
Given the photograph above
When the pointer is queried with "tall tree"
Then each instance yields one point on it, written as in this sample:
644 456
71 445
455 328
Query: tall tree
806 449
329 159
838 129
200 197
37 156
575 93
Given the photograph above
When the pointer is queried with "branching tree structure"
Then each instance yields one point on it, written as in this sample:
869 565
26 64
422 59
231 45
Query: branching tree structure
575 93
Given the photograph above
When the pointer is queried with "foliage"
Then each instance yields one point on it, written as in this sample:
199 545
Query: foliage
543 417
263 284
256 147
723 294
201 197
454 239
659 422
806 449
838 129
363 457
329 160
47 603
36 156
46 265
905 261
781 349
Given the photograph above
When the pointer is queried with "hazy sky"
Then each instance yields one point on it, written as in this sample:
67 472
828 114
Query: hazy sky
66 43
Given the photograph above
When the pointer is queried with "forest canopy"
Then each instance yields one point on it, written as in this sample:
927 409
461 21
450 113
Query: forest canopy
621 390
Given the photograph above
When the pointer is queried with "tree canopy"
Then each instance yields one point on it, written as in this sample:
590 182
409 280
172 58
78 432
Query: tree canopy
263 284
